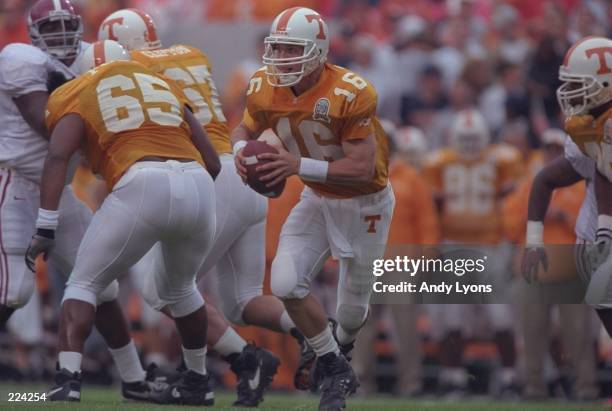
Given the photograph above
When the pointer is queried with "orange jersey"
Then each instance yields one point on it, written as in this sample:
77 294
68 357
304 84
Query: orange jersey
190 68
415 220
471 192
128 113
340 107
594 138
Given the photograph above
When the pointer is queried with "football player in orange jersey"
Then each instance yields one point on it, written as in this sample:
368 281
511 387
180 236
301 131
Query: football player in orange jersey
325 116
469 178
139 134
239 246
585 98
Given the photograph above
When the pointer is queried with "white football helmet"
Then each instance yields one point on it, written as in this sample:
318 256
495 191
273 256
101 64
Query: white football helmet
411 145
586 73
100 52
469 134
132 28
297 26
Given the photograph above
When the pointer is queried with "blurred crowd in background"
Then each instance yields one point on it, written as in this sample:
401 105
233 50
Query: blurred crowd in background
428 60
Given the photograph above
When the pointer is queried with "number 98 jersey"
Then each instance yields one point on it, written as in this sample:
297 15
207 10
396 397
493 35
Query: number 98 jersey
340 107
129 113
190 69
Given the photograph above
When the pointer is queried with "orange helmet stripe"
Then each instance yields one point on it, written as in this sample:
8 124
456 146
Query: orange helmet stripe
284 18
151 32
99 55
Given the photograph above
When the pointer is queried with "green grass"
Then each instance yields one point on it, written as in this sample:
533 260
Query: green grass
102 399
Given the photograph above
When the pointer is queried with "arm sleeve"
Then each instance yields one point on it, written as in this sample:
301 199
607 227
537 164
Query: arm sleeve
583 164
22 73
252 123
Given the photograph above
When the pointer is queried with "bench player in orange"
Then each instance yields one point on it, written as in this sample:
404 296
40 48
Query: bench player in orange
137 131
325 116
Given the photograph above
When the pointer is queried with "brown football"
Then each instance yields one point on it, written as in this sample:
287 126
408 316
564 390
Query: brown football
250 152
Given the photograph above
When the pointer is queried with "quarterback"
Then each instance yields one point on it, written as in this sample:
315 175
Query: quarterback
150 150
325 116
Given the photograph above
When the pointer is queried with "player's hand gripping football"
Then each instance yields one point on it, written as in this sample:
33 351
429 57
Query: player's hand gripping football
42 243
281 165
532 258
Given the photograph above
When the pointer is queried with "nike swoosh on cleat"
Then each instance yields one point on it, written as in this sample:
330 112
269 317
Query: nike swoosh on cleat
254 382
50 393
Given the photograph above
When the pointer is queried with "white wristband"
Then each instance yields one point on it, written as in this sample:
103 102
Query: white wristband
535 233
239 146
47 219
313 170
604 221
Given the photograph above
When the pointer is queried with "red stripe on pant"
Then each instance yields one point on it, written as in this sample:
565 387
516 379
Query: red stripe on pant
4 285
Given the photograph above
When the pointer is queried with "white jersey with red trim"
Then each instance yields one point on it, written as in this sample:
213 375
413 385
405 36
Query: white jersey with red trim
24 69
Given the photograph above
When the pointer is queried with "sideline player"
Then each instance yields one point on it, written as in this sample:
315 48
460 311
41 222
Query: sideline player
325 116
150 150
585 98
26 72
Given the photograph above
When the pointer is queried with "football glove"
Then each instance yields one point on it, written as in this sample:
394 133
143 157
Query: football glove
533 256
42 243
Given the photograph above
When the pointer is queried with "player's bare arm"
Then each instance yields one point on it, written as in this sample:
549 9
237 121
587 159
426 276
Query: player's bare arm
202 142
65 140
356 167
32 109
559 173
240 135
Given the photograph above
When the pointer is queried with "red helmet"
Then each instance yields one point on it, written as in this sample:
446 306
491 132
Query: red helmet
62 37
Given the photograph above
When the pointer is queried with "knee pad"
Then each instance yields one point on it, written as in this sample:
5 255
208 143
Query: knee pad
187 304
351 317
284 277
20 283
110 293
73 292
149 293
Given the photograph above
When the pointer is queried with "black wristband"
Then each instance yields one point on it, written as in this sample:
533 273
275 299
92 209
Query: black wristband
45 232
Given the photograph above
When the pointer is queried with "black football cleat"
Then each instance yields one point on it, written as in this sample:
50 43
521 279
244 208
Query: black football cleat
156 380
336 381
67 386
190 389
255 369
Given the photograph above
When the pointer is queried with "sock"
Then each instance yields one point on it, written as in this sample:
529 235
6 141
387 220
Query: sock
229 343
128 363
70 360
323 343
286 323
195 359
344 337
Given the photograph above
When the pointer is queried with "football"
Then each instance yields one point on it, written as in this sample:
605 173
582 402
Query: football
250 152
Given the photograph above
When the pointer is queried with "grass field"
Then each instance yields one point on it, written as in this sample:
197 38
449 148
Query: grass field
102 399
